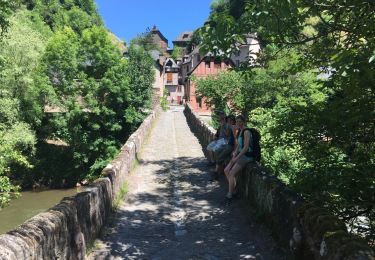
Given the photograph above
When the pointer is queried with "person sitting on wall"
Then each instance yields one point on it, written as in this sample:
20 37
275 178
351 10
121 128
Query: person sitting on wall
240 157
220 135
224 152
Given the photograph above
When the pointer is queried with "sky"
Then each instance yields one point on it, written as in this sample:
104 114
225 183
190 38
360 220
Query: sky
128 18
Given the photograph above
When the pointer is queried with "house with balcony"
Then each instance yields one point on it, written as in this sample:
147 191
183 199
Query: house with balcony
171 83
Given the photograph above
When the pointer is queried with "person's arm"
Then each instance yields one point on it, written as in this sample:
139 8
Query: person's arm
245 147
227 131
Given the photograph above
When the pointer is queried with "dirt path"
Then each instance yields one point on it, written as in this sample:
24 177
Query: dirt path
173 211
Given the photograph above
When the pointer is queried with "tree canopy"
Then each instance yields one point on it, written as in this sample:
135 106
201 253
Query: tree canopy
311 95
69 98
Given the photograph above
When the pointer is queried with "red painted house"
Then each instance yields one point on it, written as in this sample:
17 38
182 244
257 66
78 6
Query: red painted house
200 67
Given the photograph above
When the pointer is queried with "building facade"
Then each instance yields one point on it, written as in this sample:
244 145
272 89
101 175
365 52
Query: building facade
202 68
175 76
247 52
159 40
171 72
183 41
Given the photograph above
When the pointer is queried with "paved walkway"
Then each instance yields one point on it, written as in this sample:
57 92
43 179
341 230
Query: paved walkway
173 211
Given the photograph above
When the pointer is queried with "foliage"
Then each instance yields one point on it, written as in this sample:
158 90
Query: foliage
164 100
99 93
221 91
7 191
6 9
176 53
145 40
20 54
69 99
77 14
312 97
16 144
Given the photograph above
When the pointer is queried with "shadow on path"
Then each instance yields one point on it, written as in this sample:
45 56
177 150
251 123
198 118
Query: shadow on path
145 228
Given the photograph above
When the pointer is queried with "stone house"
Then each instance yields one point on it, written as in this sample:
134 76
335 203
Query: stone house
171 72
247 52
159 40
183 42
158 86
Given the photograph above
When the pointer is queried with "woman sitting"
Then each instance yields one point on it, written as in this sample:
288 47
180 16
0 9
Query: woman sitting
240 157
223 154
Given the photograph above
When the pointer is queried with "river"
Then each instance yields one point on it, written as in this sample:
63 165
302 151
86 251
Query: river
28 205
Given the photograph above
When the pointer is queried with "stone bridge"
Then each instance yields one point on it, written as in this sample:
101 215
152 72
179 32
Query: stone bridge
173 211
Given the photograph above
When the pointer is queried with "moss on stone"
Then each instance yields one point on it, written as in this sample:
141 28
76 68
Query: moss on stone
335 239
355 249
324 224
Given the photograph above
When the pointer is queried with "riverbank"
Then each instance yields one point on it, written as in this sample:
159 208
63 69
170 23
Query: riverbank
30 204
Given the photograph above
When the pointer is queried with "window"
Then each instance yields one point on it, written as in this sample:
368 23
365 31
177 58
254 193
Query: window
198 58
208 64
237 63
169 77
185 36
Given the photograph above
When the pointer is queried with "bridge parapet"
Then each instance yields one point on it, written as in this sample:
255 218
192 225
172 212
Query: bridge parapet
306 231
64 231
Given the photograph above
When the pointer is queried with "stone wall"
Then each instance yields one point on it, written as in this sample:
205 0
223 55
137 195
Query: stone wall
304 230
64 231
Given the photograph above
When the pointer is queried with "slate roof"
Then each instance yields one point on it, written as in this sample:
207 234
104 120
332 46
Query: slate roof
156 31
174 64
184 37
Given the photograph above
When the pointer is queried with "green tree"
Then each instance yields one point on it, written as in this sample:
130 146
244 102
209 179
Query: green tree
176 53
6 10
21 52
97 52
317 71
145 41
75 18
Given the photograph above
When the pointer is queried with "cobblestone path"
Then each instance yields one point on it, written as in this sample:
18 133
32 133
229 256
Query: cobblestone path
173 211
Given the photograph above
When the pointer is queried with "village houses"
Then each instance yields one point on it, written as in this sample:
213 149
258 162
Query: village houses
174 77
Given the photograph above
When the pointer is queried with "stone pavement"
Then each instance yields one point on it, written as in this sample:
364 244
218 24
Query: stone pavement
173 211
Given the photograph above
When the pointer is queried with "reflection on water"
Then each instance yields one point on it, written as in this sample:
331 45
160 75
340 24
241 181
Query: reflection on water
28 205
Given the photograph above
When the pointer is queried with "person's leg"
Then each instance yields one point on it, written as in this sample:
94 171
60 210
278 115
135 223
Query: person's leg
221 156
232 178
228 168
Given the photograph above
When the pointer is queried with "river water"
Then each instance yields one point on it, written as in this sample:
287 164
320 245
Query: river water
30 204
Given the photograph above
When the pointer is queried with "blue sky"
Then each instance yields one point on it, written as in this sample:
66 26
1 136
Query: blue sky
127 18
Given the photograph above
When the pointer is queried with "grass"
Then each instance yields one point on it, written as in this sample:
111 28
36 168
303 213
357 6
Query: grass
94 245
120 196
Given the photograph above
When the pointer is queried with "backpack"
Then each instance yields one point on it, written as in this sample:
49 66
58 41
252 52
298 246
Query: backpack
255 145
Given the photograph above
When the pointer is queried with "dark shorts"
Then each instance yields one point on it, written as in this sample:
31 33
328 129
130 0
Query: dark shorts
243 160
